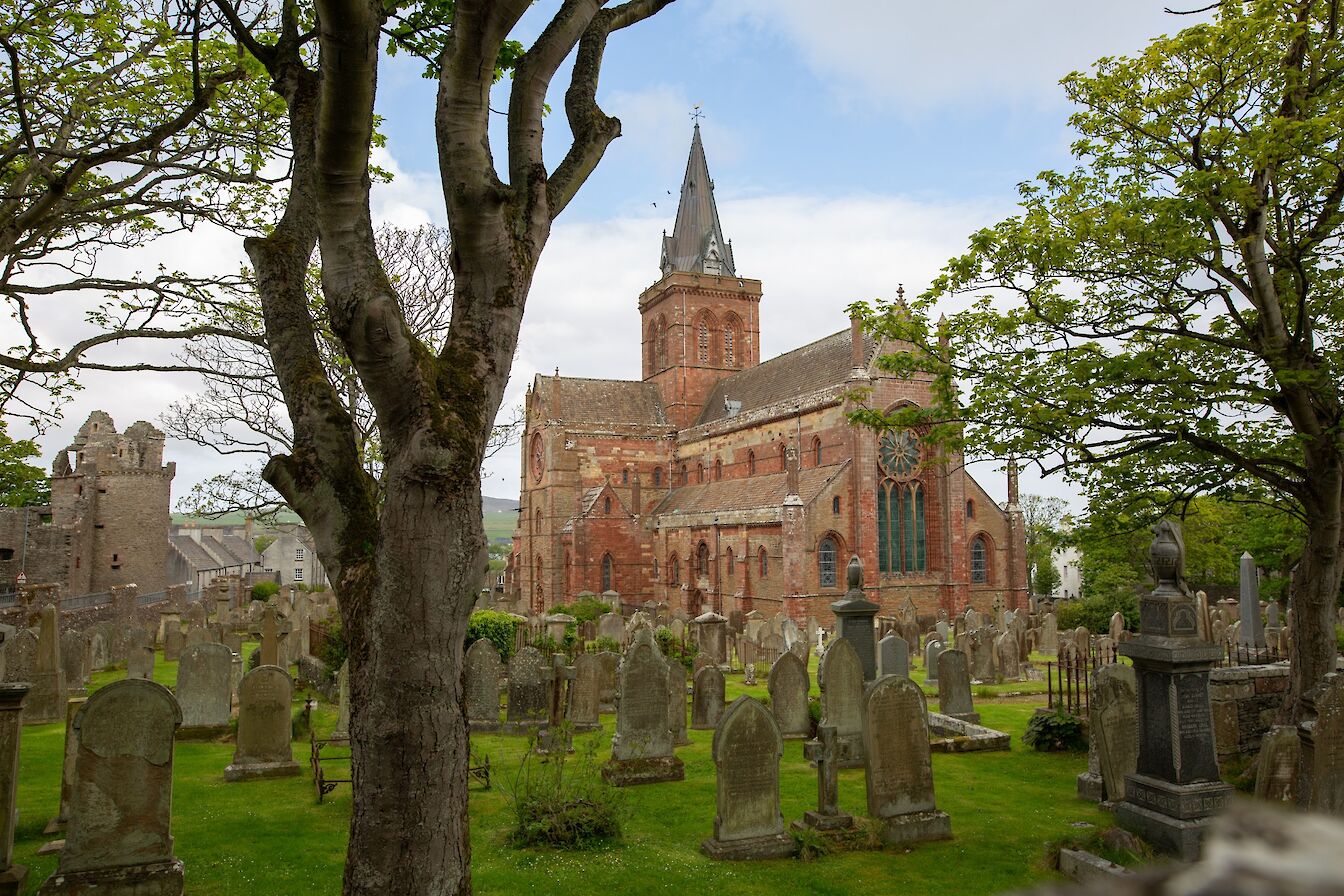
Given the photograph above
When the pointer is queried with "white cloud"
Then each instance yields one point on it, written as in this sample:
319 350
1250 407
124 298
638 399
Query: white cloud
922 55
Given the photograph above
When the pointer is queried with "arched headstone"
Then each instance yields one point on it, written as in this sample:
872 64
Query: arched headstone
264 749
788 685
747 822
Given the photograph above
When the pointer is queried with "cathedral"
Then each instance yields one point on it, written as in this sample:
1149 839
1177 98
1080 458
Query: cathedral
721 481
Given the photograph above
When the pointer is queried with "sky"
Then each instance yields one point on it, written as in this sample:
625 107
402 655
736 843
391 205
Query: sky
854 148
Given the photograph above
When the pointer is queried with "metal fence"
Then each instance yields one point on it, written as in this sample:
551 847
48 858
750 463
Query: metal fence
1068 682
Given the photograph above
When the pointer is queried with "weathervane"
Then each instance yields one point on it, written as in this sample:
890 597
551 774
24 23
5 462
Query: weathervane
697 114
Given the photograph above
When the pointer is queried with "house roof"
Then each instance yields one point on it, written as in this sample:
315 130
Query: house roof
196 556
817 365
579 400
749 493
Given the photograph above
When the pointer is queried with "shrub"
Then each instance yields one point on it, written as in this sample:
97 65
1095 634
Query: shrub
334 649
1094 613
563 802
682 651
496 627
1055 732
265 590
254 659
605 643
585 609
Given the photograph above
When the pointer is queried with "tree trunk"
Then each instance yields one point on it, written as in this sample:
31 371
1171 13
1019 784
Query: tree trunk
1315 593
409 832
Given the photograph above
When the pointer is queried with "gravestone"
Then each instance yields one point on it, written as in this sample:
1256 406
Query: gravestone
611 626
754 625
173 643
1048 641
1321 732
74 661
12 694
198 634
270 637
1117 625
747 822
139 654
700 662
893 656
932 650
606 695
747 652
641 750
712 636
677 629
1114 724
1082 641
1276 768
46 699
21 657
342 729
771 648
854 619
68 758
119 840
585 692
1008 667
980 652
788 685
99 656
1176 788
942 628
954 687
824 753
263 749
527 687
205 690
841 676
789 631
707 699
1252 632
676 703
480 676
899 769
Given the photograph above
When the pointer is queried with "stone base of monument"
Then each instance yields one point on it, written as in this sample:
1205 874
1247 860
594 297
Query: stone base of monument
840 821
916 827
777 846
11 880
961 736
157 879
1172 817
248 771
1090 787
554 740
630 772
201 732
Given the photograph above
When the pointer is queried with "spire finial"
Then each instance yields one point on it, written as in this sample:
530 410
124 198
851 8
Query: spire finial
696 115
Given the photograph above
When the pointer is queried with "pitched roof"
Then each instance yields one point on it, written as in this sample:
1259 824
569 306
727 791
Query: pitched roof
817 365
697 244
749 493
196 556
578 400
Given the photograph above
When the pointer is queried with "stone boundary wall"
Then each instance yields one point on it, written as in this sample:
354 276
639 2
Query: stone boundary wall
1245 700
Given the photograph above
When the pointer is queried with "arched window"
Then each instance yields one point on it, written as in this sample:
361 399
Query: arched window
702 560
657 477
826 552
733 349
653 569
608 573
661 349
606 508
764 559
651 347
732 566
718 469
704 340
751 463
536 522
835 504
901 544
674 570
700 472
970 510
816 451
683 474
729 358
625 476
979 560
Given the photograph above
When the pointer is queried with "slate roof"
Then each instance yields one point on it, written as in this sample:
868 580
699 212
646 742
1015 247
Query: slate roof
241 548
750 493
697 232
196 556
817 365
579 400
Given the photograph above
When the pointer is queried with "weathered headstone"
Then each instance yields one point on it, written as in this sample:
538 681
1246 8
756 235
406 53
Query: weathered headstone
205 690
712 636
1007 667
119 838
21 657
748 823
12 694
139 654
824 753
899 769
707 699
954 687
932 650
46 700
788 685
1277 765
1048 642
1116 626
980 652
641 750
264 749
69 756
527 687
342 729
585 692
676 703
74 661
99 656
1114 724
893 656
841 675
270 637
1321 731
1252 632
480 677
854 619
607 685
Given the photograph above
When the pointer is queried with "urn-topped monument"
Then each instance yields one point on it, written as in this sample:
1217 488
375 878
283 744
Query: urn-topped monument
1176 788
854 616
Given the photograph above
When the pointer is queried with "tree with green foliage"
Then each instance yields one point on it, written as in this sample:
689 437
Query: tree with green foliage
1044 518
1168 315
21 483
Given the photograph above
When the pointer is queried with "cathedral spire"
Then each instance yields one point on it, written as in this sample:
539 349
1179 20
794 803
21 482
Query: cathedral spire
697 244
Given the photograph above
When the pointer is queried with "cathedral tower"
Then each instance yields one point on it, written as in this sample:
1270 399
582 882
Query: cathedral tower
700 321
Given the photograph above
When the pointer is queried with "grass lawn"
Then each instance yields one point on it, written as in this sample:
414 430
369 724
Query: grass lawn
272 837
